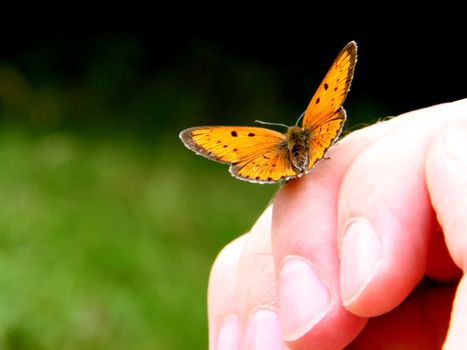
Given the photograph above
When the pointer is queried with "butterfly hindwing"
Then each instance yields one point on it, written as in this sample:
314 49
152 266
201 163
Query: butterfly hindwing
266 167
324 135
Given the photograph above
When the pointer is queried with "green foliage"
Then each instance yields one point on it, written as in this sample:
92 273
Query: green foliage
106 243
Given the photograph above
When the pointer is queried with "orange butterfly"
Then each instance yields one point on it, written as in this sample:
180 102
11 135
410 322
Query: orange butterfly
266 156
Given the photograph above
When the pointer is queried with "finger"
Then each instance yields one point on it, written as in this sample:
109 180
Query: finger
456 337
440 265
446 172
305 255
421 322
251 284
224 325
257 290
242 294
385 216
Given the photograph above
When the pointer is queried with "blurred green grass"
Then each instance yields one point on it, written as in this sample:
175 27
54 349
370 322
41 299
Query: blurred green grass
106 243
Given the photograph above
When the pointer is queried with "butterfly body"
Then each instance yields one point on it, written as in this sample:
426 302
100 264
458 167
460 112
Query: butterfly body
263 155
298 146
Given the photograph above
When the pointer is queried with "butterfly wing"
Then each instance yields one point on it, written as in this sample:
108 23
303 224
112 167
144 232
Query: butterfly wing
324 135
255 154
269 166
230 144
325 116
332 91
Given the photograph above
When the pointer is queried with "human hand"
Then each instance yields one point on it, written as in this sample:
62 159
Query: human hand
339 257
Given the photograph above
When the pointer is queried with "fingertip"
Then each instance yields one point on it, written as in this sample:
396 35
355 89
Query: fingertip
360 259
222 299
305 256
384 224
456 337
298 311
446 169
229 335
377 270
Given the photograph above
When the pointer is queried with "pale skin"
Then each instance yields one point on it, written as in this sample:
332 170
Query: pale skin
337 259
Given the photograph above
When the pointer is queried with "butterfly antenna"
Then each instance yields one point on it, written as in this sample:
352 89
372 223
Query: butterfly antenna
299 118
269 123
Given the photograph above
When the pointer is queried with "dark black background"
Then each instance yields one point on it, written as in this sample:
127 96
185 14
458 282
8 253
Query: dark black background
404 64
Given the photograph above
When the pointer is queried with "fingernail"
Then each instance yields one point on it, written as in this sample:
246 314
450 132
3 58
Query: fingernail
360 258
455 142
263 331
303 298
229 335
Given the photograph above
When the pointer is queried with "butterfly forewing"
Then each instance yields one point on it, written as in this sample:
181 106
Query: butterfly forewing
230 144
332 91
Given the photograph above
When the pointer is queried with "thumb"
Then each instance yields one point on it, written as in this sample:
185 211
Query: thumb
446 177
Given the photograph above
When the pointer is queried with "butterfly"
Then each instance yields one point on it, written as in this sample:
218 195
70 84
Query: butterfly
263 155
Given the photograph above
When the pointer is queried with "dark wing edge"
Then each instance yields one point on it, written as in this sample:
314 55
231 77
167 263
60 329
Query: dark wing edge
352 48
